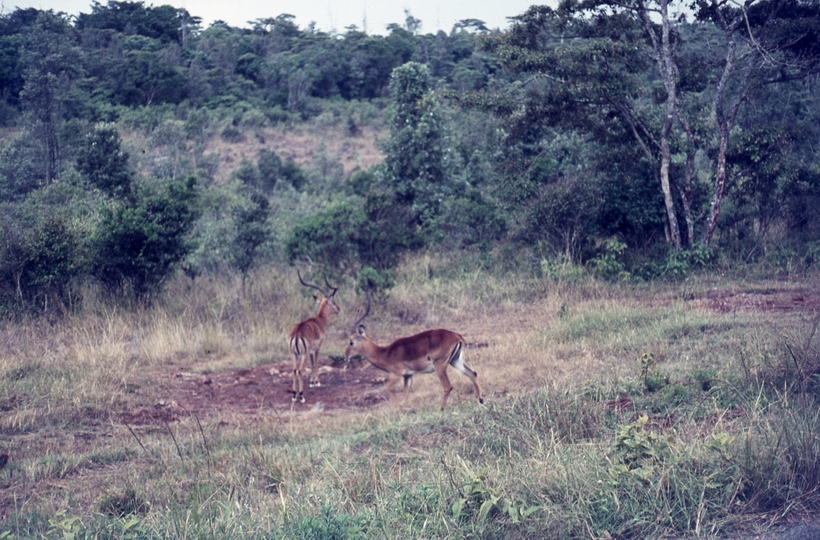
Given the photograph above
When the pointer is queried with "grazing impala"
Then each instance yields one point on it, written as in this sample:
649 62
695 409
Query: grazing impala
432 350
306 339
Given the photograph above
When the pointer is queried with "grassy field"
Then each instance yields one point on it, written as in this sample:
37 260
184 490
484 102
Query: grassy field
673 410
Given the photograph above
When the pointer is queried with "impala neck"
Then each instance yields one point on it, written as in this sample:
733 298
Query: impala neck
374 353
324 313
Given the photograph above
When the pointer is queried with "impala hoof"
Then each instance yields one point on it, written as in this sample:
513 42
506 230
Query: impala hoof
302 399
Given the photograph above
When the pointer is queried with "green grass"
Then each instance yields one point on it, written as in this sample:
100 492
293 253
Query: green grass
610 411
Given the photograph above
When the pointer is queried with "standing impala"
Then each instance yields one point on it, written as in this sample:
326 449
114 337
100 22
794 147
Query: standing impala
432 350
306 339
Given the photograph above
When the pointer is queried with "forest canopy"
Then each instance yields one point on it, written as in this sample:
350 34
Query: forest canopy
637 140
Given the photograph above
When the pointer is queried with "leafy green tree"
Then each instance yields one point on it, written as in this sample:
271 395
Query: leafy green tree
51 63
144 77
417 164
330 237
139 244
294 175
163 23
43 250
103 163
22 169
270 169
251 231
13 29
586 66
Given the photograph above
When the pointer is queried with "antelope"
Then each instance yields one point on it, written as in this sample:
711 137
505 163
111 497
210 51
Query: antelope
305 339
431 350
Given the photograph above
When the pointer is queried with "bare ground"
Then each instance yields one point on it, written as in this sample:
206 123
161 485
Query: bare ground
350 386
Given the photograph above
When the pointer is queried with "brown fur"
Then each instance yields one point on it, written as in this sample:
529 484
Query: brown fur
432 350
305 340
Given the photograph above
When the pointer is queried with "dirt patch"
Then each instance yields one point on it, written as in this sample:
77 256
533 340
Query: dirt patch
265 390
783 300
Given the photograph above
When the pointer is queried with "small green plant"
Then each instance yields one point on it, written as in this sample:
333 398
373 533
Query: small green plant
652 379
561 270
129 502
639 451
609 265
67 527
478 499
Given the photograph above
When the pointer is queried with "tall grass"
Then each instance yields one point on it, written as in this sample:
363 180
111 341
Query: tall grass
610 412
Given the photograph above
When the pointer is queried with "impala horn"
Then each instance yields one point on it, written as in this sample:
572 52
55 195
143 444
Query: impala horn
363 317
318 288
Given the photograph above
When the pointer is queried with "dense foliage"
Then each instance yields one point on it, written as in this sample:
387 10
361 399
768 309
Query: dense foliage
592 125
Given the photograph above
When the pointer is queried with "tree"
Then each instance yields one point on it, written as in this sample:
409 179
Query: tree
765 41
51 64
251 231
417 157
102 162
139 243
13 29
329 238
163 23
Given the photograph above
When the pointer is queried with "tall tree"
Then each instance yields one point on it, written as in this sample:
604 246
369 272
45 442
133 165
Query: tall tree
417 155
51 65
101 160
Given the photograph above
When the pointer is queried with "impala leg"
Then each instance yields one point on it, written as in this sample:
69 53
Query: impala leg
296 387
392 379
314 369
408 382
459 364
298 379
445 384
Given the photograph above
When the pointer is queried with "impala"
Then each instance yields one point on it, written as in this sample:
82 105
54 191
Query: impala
429 351
306 339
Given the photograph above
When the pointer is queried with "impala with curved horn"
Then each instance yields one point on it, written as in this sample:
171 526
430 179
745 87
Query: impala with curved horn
429 351
306 339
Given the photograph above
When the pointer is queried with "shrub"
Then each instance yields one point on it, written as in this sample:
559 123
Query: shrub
138 244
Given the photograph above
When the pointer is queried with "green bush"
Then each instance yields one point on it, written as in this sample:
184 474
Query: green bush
138 244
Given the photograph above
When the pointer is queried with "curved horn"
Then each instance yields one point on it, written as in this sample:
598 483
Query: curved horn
366 313
321 290
333 289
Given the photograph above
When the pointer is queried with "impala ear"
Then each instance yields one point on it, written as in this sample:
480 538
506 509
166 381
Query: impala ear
360 330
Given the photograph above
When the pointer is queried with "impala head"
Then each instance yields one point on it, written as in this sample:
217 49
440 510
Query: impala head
328 299
357 333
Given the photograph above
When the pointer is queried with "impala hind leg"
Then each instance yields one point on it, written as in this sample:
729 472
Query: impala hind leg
314 369
298 379
458 363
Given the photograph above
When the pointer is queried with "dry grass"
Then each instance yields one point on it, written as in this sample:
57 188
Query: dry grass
543 354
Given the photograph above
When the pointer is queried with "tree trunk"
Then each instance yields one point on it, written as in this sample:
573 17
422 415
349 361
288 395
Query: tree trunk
668 71
725 119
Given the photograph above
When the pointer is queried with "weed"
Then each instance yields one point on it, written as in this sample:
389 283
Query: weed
478 500
127 503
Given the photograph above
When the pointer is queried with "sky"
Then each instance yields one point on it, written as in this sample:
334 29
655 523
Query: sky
373 16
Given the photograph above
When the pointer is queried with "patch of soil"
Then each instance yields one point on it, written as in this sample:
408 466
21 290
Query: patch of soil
782 300
265 390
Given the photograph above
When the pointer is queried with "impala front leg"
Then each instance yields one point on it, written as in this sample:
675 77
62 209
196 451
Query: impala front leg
446 385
